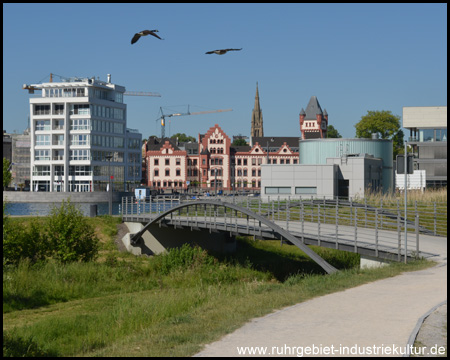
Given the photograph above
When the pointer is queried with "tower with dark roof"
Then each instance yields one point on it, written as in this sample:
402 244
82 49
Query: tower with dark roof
257 118
313 121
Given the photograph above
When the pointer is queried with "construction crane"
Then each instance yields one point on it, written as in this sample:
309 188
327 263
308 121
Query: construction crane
141 93
163 117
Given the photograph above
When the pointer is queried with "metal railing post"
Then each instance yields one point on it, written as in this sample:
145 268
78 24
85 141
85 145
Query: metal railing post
318 224
417 236
356 229
376 232
435 219
337 221
399 236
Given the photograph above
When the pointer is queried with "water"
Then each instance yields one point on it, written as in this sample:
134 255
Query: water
43 209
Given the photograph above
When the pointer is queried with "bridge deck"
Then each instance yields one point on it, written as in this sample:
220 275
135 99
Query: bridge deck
382 244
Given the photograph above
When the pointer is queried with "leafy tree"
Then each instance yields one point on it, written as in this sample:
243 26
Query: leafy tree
7 176
332 132
239 142
385 124
183 137
70 236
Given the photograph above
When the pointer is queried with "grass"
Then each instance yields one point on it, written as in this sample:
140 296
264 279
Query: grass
166 305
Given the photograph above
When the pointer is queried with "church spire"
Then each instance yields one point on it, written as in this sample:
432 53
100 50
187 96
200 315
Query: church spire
257 118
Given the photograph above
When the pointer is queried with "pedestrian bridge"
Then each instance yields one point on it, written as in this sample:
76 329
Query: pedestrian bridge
371 232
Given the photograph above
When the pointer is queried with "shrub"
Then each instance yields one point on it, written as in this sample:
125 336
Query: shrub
70 236
22 242
185 257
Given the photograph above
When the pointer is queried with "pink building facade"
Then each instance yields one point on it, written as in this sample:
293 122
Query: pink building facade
213 163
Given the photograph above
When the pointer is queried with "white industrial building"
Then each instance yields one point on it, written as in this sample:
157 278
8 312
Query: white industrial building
79 137
332 168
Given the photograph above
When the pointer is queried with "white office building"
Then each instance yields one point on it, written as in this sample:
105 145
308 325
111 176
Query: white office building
79 137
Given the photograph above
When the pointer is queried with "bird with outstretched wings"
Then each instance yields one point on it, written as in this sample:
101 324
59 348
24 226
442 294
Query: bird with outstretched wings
138 35
222 51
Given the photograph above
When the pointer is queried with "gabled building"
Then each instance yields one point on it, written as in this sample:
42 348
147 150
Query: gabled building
217 164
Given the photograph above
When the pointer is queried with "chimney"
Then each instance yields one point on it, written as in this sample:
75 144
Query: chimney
108 77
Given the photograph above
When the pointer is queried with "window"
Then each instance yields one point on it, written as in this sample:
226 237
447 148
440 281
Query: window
42 125
245 172
80 170
239 162
156 172
80 124
79 155
288 161
58 124
253 172
309 190
253 161
245 162
156 162
41 109
178 172
79 140
40 170
167 172
41 155
167 161
59 109
59 170
177 161
42 140
278 190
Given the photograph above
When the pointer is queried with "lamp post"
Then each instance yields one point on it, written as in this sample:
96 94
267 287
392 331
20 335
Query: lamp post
109 158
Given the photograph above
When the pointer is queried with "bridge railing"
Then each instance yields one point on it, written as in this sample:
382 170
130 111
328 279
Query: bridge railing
334 222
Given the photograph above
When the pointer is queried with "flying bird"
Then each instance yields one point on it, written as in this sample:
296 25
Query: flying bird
222 51
144 33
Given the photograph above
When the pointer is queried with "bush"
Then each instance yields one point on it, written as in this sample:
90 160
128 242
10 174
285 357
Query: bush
184 257
70 236
23 242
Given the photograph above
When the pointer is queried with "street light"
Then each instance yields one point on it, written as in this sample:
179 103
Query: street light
109 158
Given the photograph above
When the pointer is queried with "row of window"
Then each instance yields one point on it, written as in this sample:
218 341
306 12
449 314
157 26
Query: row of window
82 124
84 170
83 109
82 154
286 190
80 92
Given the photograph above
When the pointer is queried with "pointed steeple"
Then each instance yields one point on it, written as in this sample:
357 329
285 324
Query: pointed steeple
257 118
313 109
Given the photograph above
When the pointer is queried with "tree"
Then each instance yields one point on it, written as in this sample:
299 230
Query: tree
332 132
7 176
183 137
70 236
385 124
239 142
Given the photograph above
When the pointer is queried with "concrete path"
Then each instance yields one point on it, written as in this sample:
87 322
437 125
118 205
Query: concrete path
377 319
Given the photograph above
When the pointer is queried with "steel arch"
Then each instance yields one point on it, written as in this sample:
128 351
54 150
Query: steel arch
277 229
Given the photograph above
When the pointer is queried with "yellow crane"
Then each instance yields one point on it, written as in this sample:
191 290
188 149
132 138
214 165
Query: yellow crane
163 116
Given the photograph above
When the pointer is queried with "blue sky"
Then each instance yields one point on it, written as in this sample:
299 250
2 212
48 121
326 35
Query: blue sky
353 57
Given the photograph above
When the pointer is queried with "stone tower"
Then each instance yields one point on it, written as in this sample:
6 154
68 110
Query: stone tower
313 121
257 118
